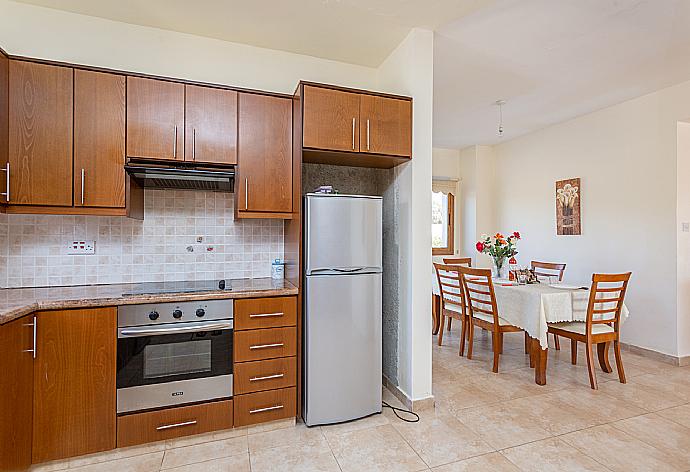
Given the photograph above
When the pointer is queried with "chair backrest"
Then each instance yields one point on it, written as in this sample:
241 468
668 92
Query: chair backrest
548 269
458 261
479 292
450 286
606 299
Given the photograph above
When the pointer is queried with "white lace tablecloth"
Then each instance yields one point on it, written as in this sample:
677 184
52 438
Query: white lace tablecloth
531 307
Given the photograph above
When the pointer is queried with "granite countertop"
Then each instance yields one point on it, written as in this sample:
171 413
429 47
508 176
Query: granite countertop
17 302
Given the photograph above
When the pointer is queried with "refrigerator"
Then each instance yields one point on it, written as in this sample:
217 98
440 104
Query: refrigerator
343 307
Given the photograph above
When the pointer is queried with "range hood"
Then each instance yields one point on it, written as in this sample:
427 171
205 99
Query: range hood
182 177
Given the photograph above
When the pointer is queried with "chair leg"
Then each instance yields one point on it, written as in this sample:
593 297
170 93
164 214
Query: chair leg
619 361
450 321
440 330
527 344
557 342
500 342
573 351
496 343
470 338
590 367
463 335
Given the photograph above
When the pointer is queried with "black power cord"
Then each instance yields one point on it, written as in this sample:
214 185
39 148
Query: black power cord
402 410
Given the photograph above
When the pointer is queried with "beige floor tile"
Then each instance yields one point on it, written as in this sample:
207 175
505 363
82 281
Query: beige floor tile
502 426
304 457
204 452
368 422
374 449
271 426
207 437
440 438
297 435
669 437
238 463
143 463
648 391
678 414
50 466
494 462
551 455
618 451
115 454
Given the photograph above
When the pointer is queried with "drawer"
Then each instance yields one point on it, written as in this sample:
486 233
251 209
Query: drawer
253 313
258 344
265 375
260 407
139 428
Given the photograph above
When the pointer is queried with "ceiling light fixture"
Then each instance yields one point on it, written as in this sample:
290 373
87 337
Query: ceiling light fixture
499 104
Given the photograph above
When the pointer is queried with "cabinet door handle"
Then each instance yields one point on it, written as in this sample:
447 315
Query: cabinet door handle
246 193
32 351
194 144
175 144
269 408
175 425
266 346
266 315
6 193
367 135
353 134
267 377
82 186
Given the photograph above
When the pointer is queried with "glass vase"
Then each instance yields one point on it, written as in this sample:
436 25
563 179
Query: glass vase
499 268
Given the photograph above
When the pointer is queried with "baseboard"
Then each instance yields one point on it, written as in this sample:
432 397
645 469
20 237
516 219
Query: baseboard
410 404
657 356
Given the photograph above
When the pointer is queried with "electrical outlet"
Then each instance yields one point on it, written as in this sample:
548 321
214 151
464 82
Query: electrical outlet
685 227
81 247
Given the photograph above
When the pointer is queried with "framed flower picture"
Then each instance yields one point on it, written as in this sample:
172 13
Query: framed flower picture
568 196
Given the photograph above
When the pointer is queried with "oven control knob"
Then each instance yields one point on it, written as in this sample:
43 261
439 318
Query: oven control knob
200 312
177 314
153 316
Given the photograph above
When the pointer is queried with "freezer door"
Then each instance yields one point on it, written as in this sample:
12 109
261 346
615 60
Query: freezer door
343 348
344 233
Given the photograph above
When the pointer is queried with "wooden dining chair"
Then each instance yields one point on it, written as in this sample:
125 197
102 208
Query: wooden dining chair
547 269
467 261
452 300
482 310
602 325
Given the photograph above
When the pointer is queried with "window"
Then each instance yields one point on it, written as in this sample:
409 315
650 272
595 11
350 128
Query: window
442 223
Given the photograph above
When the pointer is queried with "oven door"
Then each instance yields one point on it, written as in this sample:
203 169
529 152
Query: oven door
172 364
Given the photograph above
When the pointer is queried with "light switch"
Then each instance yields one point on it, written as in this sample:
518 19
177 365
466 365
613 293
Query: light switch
685 227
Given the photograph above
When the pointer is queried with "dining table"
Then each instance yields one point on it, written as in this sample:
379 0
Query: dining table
532 307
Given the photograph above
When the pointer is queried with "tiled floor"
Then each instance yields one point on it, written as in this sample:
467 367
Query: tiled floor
481 422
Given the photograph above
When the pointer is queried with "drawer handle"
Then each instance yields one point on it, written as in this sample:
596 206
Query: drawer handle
266 315
269 408
265 346
267 377
176 425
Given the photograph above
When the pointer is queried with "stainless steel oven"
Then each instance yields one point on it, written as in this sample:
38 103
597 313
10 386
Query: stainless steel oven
173 353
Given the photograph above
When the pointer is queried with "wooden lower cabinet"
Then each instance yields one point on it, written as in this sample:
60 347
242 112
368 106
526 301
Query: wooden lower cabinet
74 383
171 423
257 344
264 375
256 313
265 406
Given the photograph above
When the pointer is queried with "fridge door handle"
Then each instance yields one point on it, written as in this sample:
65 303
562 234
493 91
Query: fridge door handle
343 270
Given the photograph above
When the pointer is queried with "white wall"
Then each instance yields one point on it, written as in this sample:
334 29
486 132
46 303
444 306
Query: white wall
409 71
45 33
626 158
683 243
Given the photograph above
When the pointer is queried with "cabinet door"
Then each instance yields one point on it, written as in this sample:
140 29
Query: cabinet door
40 141
16 385
331 119
74 383
210 125
264 154
386 126
99 139
155 119
4 122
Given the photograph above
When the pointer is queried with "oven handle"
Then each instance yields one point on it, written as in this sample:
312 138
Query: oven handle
174 329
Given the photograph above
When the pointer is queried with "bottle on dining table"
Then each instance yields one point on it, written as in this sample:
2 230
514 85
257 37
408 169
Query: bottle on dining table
512 268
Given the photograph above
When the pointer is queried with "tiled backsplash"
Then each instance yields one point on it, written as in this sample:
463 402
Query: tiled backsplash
33 249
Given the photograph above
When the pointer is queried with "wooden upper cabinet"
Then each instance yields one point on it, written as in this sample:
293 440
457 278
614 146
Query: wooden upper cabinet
40 134
210 125
264 154
74 409
16 385
155 119
385 126
331 119
99 139
4 122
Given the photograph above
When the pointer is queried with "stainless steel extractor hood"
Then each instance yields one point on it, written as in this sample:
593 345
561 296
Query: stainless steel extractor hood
191 178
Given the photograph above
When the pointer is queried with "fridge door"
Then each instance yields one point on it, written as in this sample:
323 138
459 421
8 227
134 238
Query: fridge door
343 347
343 234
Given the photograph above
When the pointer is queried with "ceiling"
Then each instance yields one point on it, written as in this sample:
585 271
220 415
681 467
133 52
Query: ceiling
355 31
552 61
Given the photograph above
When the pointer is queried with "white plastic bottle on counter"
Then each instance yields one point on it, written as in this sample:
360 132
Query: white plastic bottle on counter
278 269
